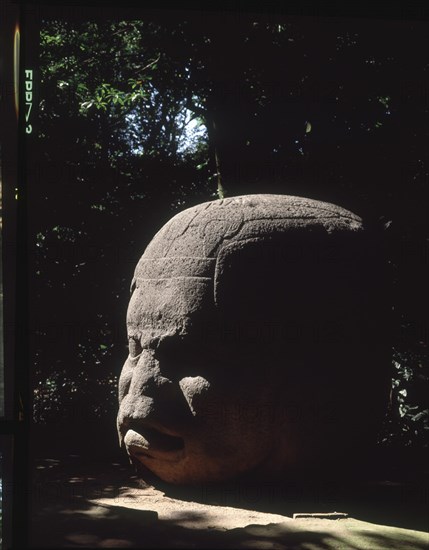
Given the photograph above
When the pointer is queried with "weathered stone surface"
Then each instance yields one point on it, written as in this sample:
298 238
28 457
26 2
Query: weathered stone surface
255 341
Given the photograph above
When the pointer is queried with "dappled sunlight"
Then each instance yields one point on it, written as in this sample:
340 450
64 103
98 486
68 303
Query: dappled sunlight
83 504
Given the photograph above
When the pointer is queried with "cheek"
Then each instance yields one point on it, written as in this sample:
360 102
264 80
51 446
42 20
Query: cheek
224 417
196 391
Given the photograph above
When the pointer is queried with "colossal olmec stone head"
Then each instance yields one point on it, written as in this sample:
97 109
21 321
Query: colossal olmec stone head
254 341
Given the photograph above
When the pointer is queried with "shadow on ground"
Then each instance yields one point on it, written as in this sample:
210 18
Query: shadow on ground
84 526
81 503
392 503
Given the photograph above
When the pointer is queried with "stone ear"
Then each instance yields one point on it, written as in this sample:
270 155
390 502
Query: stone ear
266 289
299 283
245 274
292 273
222 268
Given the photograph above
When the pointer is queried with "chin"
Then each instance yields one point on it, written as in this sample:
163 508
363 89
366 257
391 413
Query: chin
197 470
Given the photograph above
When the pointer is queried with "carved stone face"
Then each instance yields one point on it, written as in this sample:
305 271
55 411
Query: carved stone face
185 415
237 339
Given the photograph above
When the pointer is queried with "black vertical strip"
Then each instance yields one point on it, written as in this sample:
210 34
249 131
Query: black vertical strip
21 401
6 443
8 134
8 151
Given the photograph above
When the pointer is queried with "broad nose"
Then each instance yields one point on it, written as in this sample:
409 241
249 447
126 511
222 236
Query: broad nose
151 399
146 376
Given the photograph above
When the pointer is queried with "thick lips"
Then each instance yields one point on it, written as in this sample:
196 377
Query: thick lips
151 443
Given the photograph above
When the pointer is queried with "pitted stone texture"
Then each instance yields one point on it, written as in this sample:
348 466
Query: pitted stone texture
205 227
254 341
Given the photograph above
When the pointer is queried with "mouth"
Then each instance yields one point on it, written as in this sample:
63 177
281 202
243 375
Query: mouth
151 443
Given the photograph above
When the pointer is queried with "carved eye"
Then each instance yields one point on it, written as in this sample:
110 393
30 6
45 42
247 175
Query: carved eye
134 346
178 358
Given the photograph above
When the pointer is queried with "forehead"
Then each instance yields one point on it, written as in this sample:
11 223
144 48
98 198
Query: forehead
169 305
